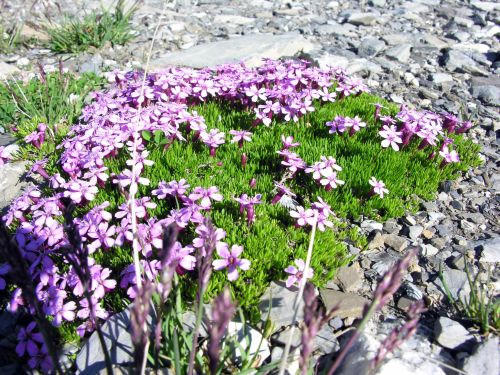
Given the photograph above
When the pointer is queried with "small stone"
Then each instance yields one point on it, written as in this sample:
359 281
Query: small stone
371 225
398 243
429 250
451 334
370 47
404 303
457 61
456 281
435 217
391 226
336 323
488 94
325 341
485 359
233 20
490 251
283 336
458 262
349 278
347 305
401 52
362 19
376 241
427 234
440 78
415 231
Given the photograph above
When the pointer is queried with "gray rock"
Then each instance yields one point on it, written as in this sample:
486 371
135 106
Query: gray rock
362 19
370 47
485 360
286 334
377 240
487 6
456 281
415 231
488 94
398 243
451 334
224 19
7 70
490 250
11 182
371 225
282 301
93 64
326 341
435 217
249 48
440 78
428 250
117 336
347 305
349 278
241 337
336 323
457 61
391 226
401 52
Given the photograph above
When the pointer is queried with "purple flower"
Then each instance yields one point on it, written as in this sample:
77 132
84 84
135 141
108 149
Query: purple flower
297 273
240 136
230 260
391 137
449 156
378 187
213 139
206 196
247 204
4 155
303 216
288 142
4 270
330 180
28 340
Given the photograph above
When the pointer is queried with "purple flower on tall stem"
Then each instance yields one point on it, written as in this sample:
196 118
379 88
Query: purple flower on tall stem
247 204
282 190
240 136
38 167
296 274
230 260
376 114
213 139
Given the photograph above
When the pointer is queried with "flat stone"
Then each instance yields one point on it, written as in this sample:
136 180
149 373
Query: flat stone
11 182
233 20
414 231
250 49
456 281
325 341
281 300
362 19
398 243
376 241
451 334
347 305
485 360
349 278
250 341
429 250
441 78
117 336
401 52
435 41
370 225
487 6
6 70
370 47
490 250
457 61
488 94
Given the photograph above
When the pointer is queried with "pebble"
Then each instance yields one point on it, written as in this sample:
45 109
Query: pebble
451 334
347 305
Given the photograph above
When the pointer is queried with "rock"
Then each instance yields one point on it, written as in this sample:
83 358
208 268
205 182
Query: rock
488 94
435 217
117 336
284 335
11 182
347 305
485 359
398 243
370 47
92 64
362 19
241 337
401 52
250 49
28 32
349 278
440 78
456 281
391 226
6 70
377 240
336 323
451 334
428 250
487 6
435 41
282 305
233 20
457 61
412 358
325 61
458 262
490 250
371 225
326 341
414 231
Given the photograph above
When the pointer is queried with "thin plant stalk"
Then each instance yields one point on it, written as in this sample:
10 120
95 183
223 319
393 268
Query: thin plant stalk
298 298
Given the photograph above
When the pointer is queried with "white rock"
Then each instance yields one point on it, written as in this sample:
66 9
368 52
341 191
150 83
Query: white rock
249 340
451 334
250 49
233 20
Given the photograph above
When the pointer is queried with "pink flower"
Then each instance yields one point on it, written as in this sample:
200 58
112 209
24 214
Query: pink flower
303 216
297 273
240 136
391 137
449 156
378 187
230 260
330 180
206 195
213 139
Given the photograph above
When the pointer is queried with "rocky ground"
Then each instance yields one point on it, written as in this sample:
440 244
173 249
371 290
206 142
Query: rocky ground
435 54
